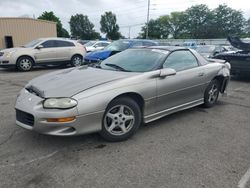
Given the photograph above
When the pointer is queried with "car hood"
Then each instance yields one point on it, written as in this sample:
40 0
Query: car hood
69 82
103 54
11 49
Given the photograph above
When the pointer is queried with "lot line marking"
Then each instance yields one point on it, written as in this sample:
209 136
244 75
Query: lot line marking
243 181
30 161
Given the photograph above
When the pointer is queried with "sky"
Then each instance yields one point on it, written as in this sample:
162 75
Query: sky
131 14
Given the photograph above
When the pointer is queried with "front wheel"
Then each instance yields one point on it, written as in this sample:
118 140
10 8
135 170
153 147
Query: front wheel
76 61
24 64
211 94
121 120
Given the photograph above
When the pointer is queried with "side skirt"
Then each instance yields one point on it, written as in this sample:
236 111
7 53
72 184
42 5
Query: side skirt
168 111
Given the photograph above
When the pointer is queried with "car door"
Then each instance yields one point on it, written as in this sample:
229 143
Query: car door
184 87
47 53
64 50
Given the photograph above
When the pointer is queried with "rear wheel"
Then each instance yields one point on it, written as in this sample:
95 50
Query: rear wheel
211 93
76 61
24 63
121 120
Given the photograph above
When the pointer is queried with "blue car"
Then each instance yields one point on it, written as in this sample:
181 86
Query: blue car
116 47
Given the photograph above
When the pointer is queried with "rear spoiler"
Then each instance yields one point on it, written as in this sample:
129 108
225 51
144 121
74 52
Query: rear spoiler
217 61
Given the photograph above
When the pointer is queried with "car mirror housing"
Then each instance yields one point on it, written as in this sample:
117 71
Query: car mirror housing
167 72
39 47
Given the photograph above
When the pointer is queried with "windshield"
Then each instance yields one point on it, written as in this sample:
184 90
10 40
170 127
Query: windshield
205 49
32 43
119 45
91 43
135 60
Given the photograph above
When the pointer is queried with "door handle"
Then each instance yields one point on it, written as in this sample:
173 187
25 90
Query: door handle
201 74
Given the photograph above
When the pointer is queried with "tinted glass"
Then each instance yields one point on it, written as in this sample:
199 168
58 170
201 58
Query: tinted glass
135 60
104 44
137 43
118 45
49 44
90 43
32 43
147 43
181 60
64 43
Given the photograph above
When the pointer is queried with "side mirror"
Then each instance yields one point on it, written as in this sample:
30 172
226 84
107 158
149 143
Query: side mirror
167 72
39 47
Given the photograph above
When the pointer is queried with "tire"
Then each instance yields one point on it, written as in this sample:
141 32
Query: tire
25 63
211 94
76 61
121 120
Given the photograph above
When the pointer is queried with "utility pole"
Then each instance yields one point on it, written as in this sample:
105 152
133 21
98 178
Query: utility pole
147 19
129 28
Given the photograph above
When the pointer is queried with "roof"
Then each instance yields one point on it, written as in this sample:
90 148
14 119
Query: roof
132 40
30 19
168 48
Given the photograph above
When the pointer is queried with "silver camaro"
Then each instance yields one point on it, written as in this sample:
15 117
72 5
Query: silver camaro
130 88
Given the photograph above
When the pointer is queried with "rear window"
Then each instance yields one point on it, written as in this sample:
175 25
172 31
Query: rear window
64 43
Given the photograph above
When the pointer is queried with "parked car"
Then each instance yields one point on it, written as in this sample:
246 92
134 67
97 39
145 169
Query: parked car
190 44
134 86
44 51
209 51
116 47
239 59
96 45
83 41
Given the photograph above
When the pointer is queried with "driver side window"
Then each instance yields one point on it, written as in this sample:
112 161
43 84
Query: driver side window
181 60
49 44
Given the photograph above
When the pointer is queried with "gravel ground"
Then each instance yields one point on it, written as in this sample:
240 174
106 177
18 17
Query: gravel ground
194 148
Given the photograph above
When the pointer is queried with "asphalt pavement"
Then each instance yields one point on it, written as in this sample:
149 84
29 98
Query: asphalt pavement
194 148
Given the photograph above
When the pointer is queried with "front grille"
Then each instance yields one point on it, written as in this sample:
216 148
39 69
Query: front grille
24 117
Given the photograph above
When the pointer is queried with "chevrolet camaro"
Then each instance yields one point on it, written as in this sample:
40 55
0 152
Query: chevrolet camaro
124 91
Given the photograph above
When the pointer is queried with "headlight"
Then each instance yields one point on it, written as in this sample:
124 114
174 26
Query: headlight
8 54
59 103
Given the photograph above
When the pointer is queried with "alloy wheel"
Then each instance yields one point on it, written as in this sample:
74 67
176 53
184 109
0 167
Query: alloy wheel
119 120
25 64
213 94
77 61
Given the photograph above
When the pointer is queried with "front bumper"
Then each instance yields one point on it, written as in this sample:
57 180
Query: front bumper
6 62
88 60
31 105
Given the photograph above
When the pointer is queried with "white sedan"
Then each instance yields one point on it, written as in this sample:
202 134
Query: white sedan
96 45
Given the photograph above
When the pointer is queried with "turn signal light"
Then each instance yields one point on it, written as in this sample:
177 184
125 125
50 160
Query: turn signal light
61 120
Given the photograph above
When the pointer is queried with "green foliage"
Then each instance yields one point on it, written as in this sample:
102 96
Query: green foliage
109 26
157 29
199 22
82 28
50 16
227 21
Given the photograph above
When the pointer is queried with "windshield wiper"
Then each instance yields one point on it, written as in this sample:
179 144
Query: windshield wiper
117 67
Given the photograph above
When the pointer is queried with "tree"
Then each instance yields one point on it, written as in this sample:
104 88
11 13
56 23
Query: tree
227 21
157 29
247 28
109 26
50 16
81 27
177 24
198 22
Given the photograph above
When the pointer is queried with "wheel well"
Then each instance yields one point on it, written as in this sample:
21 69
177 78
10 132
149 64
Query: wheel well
136 97
33 61
77 55
221 79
